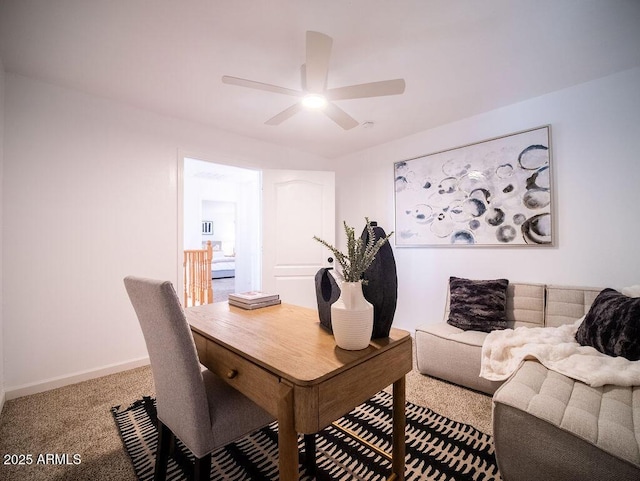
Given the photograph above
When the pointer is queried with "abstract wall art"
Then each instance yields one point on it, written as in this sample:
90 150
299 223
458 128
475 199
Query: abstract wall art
492 193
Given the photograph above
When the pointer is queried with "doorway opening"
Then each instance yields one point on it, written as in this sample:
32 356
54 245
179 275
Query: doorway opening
222 204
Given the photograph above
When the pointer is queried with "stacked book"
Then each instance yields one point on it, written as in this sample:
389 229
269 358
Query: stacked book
253 300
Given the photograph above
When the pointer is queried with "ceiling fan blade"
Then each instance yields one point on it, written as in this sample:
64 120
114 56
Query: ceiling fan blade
285 114
317 64
303 77
340 117
260 86
373 89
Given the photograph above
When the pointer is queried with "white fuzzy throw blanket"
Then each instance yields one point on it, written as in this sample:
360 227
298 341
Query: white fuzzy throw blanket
556 348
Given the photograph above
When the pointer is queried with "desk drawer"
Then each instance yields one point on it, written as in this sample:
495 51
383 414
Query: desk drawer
250 379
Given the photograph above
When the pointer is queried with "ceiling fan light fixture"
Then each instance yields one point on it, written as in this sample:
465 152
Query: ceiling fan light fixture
314 94
314 101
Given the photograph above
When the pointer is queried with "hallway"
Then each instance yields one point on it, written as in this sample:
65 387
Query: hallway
222 288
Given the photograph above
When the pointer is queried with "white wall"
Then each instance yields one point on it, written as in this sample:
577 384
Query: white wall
87 183
223 216
2 389
596 167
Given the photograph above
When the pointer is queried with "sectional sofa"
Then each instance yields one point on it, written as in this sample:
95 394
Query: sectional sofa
545 425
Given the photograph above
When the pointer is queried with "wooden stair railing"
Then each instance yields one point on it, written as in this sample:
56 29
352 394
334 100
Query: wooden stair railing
197 276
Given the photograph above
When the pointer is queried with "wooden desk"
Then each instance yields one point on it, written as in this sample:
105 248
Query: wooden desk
282 359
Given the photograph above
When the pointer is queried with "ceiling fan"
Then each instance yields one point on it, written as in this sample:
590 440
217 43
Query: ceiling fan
314 93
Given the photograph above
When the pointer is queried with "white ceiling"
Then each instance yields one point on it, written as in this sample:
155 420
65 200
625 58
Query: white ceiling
458 57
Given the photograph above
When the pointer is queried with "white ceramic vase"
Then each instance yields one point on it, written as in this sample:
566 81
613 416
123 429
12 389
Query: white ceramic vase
352 318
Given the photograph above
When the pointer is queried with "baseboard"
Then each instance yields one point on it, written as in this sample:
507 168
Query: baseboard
2 399
53 383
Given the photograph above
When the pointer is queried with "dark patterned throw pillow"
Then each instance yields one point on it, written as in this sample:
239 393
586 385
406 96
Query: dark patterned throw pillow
478 305
612 325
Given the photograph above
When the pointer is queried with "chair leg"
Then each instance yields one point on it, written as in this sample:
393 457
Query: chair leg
172 445
310 454
202 470
162 454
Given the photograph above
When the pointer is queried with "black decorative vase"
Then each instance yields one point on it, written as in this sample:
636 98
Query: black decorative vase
327 292
381 288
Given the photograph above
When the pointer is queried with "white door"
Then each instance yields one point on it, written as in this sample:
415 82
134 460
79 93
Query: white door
296 205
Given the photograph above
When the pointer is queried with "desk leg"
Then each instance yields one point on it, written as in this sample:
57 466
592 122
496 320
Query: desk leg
287 436
399 423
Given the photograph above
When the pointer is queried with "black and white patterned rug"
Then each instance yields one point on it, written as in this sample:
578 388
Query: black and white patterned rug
437 447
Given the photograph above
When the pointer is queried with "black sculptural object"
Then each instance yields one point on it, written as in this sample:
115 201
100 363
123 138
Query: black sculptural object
381 288
327 292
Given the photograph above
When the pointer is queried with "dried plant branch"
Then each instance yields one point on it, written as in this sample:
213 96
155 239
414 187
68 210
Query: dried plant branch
359 256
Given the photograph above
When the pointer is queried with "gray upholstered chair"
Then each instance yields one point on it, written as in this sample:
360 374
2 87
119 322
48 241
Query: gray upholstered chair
193 404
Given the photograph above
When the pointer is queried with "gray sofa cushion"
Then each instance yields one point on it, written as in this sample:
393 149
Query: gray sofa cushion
612 325
449 353
478 305
566 304
572 431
